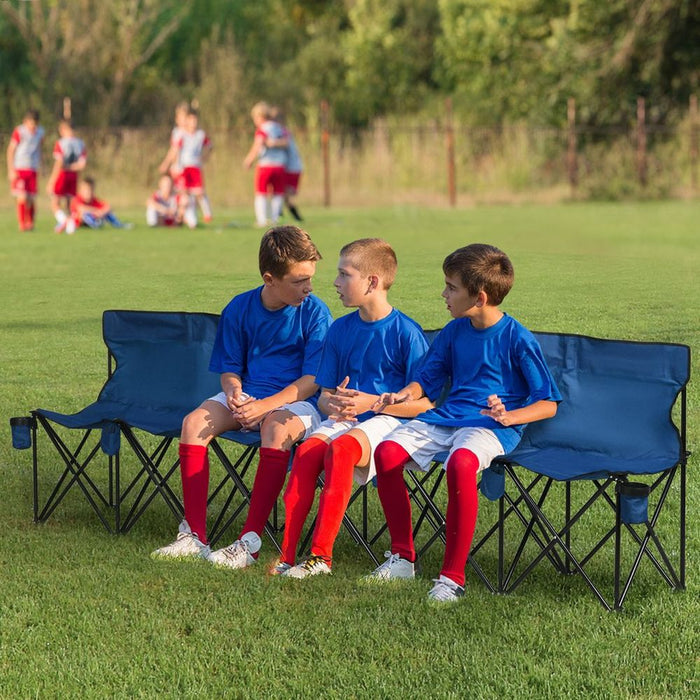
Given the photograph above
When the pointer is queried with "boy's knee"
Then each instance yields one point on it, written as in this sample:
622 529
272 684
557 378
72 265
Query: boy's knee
196 428
389 454
280 430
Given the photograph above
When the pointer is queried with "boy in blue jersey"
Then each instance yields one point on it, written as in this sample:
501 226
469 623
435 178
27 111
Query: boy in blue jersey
366 353
499 383
267 349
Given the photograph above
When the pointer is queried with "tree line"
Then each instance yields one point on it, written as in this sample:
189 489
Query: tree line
127 62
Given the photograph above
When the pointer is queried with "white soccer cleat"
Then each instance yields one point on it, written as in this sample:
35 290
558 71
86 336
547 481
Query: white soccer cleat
393 568
312 566
445 590
239 554
186 544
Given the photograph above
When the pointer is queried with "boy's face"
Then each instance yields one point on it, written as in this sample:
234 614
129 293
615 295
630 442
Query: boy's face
85 191
460 303
294 286
191 123
30 124
352 286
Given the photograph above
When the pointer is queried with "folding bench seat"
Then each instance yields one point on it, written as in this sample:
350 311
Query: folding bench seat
613 426
157 373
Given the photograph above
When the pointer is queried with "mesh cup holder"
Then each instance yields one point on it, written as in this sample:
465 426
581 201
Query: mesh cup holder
21 429
634 502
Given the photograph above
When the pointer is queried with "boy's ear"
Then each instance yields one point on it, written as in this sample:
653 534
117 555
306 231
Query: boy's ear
373 283
482 299
267 278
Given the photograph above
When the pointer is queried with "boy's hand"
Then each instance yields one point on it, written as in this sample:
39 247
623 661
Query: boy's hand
236 397
496 410
251 413
388 399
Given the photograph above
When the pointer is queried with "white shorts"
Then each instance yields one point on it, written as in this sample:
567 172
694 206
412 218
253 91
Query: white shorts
375 430
305 411
423 441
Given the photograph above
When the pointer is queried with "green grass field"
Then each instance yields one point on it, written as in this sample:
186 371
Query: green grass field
87 614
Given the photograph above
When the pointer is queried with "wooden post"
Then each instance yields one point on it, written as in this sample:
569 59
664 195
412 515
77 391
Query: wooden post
66 108
694 143
571 152
325 154
450 144
641 142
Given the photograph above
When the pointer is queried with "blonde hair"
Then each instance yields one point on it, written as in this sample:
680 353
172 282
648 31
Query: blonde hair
373 256
261 109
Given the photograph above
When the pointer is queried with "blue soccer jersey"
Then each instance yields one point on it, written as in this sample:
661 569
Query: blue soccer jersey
377 356
504 359
267 349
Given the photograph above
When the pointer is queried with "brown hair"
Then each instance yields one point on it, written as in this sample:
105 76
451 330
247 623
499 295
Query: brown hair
482 267
282 246
373 256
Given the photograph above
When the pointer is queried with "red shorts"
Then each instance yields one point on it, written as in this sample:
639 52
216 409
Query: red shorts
193 179
291 182
66 184
24 183
269 177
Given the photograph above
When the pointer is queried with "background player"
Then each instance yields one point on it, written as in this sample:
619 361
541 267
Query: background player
70 158
23 161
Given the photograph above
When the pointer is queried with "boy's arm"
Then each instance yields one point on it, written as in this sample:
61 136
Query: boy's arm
258 143
11 148
169 159
78 165
54 176
345 404
539 410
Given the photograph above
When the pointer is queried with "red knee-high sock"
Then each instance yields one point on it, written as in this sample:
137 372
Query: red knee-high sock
390 459
299 495
462 509
343 455
269 480
21 215
29 214
194 470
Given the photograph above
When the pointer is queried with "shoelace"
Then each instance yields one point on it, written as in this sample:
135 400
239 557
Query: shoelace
390 561
444 590
313 560
236 549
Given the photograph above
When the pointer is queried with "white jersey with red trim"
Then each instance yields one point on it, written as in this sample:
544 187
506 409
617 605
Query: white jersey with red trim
27 155
276 155
190 148
69 150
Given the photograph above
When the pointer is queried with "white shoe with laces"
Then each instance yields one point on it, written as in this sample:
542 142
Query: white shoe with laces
239 554
395 567
186 544
312 566
279 568
445 590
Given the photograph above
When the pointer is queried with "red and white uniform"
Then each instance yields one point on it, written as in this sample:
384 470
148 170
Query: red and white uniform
270 173
68 150
191 148
294 166
27 158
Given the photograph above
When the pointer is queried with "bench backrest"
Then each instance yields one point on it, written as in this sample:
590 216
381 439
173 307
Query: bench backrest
162 358
615 415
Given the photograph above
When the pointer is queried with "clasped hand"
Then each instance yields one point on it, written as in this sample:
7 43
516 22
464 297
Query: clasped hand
346 404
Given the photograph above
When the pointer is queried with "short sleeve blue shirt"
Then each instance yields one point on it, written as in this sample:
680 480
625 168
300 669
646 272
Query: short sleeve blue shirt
377 356
267 349
504 359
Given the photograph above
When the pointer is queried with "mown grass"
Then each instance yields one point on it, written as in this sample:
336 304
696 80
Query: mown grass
84 613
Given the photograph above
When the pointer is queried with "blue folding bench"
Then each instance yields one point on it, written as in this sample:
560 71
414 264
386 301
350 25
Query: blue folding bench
157 373
615 424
